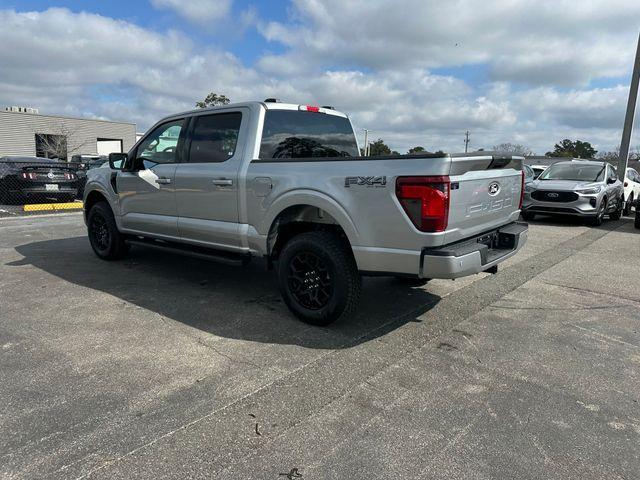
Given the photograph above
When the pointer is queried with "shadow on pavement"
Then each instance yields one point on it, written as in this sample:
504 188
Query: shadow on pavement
231 302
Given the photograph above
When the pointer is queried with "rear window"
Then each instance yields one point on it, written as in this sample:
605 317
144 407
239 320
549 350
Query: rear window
297 134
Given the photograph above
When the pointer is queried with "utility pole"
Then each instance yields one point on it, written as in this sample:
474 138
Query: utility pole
466 141
366 142
628 120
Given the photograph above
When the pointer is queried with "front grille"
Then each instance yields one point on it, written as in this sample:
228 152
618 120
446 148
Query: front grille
551 196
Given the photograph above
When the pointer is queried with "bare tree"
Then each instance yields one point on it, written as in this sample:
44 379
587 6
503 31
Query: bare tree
212 100
513 148
60 142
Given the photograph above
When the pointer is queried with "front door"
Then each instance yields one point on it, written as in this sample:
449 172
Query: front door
207 181
146 190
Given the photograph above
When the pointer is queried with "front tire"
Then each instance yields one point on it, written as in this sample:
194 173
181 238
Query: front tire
599 218
615 215
107 242
318 278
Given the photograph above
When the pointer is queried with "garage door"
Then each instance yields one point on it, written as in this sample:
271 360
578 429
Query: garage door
105 146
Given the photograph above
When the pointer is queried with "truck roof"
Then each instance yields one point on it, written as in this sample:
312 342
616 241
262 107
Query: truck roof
267 105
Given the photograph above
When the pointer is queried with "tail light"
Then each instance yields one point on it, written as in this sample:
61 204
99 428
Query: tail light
521 190
29 175
425 201
626 184
309 108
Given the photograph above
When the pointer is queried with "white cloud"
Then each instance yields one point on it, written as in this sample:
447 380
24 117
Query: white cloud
196 11
87 64
546 41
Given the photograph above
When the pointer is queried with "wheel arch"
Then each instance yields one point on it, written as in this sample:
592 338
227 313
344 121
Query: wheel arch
93 197
304 213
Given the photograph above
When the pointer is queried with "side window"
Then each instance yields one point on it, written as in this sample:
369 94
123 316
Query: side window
161 145
214 137
612 173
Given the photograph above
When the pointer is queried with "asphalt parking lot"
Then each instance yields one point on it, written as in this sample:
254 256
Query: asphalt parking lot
161 366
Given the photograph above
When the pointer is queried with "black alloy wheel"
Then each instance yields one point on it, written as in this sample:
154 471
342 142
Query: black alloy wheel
318 277
107 242
309 280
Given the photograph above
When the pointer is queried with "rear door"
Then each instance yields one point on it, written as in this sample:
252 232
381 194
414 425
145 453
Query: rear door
207 182
485 194
147 191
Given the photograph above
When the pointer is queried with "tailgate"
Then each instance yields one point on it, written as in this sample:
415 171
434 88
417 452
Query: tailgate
485 194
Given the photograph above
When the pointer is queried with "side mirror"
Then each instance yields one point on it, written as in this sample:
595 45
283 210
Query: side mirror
611 181
117 161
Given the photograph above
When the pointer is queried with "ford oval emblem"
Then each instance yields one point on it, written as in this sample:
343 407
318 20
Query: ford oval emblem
494 188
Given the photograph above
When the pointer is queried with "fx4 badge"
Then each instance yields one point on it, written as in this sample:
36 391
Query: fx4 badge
366 181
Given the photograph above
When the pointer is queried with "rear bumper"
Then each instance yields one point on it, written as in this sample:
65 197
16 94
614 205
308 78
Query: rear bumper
473 255
454 260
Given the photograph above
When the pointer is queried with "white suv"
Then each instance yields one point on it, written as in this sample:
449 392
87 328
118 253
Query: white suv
631 189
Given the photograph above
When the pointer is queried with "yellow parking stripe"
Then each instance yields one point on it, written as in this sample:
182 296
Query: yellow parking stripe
41 207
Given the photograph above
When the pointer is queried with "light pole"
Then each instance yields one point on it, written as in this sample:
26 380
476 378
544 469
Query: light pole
628 120
366 142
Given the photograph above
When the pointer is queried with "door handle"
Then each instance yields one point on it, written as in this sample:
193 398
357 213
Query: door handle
163 181
222 182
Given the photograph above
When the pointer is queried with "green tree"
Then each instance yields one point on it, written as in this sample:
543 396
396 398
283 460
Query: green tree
577 149
378 148
212 100
416 150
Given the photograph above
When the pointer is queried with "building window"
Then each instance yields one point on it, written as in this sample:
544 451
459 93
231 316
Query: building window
51 146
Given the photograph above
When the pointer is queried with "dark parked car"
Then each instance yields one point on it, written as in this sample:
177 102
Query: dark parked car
36 179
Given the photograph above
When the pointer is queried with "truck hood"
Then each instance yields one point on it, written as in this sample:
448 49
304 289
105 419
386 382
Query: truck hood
563 185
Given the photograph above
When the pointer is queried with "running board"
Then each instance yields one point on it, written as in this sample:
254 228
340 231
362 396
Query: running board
227 258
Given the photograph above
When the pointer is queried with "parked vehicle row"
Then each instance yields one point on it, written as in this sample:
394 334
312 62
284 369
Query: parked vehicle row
284 183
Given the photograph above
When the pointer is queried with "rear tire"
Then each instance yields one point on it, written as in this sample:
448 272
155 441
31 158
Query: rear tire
528 216
107 242
318 278
627 205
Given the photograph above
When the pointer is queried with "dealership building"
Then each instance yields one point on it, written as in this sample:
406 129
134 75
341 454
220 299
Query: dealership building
25 132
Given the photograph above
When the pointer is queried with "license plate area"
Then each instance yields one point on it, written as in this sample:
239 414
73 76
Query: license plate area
498 240
51 187
489 239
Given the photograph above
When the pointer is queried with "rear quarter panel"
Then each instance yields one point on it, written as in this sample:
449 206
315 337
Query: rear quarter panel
370 214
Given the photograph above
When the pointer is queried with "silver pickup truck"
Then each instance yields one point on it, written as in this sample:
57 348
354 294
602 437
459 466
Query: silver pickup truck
285 182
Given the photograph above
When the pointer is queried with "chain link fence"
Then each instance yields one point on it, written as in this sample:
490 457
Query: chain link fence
30 185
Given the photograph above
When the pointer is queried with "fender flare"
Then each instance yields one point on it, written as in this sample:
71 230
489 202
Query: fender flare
312 198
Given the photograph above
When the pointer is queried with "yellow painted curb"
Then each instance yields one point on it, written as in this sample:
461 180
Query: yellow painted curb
42 207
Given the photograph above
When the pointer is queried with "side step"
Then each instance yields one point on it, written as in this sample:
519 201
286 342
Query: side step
203 253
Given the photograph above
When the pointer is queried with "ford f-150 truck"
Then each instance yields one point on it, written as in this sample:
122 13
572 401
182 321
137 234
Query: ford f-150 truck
285 182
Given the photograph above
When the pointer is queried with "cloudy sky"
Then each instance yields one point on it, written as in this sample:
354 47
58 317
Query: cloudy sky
415 72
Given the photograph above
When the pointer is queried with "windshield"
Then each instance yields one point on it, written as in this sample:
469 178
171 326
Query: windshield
296 134
578 172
